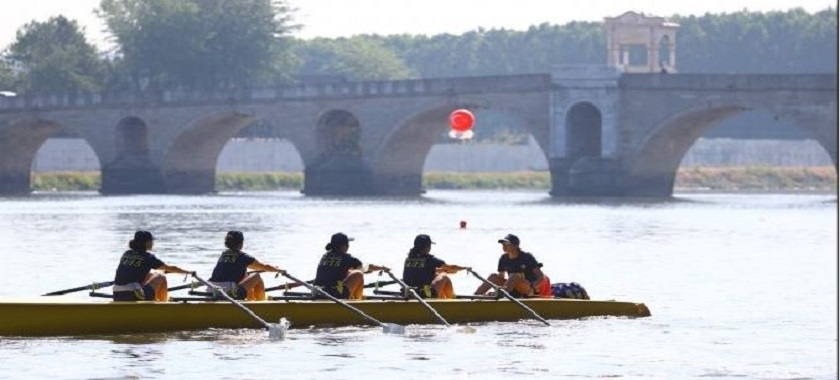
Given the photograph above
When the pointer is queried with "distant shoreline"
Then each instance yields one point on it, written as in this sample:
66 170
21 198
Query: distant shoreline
695 179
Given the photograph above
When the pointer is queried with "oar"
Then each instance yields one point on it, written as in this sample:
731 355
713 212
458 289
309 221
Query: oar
377 284
391 328
290 285
275 331
506 294
94 286
185 286
287 285
417 297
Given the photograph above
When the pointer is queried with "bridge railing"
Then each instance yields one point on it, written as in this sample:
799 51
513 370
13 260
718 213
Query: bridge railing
730 82
288 92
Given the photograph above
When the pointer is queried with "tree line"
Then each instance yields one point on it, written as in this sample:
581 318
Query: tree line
209 44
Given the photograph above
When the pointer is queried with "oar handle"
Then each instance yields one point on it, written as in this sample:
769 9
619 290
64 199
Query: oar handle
191 285
417 296
286 285
316 290
233 301
378 283
295 284
510 297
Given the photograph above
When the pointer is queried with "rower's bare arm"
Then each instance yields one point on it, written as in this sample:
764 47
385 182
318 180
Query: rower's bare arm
452 268
256 265
539 278
173 269
374 268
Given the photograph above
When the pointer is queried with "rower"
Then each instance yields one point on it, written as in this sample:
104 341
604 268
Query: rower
339 273
524 276
229 273
426 273
134 280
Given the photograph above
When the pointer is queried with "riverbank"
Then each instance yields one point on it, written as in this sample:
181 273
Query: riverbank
786 179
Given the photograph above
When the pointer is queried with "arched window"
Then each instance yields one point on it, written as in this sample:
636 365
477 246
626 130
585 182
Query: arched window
583 131
339 134
132 137
664 53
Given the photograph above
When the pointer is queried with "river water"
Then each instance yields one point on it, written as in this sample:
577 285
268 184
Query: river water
739 285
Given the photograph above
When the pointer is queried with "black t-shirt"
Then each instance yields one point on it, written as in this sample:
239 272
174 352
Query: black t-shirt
231 266
419 271
333 268
134 266
524 263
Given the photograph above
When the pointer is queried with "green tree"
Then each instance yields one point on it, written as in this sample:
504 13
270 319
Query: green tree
201 43
7 77
357 58
792 41
55 57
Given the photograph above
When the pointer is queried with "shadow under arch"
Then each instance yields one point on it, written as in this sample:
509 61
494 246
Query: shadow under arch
651 169
20 141
189 165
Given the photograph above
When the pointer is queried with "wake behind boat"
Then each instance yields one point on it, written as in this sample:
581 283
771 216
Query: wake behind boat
65 317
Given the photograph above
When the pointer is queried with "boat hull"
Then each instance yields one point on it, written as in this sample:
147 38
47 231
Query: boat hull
47 318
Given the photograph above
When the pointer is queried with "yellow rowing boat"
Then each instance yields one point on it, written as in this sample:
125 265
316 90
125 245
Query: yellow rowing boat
54 317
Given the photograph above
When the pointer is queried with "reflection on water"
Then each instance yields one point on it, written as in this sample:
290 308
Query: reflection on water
141 354
129 339
707 265
611 201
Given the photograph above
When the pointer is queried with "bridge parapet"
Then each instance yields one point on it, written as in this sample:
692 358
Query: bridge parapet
367 89
729 82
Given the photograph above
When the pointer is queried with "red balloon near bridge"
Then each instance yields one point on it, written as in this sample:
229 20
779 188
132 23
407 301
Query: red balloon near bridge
461 120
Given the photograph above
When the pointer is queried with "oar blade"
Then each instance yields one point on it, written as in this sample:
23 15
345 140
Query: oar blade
393 328
277 331
465 329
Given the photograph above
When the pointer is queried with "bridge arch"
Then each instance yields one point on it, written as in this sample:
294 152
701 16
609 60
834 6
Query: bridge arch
398 162
20 141
189 165
651 169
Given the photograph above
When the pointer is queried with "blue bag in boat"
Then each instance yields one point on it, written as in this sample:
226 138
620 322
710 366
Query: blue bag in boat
570 290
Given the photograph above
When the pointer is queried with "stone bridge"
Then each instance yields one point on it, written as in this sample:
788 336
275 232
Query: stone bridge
603 133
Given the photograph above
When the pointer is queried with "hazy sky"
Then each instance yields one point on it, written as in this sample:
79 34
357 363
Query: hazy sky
333 18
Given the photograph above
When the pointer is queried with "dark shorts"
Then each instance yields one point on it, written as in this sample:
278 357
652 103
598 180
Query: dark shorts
239 293
333 291
426 292
146 294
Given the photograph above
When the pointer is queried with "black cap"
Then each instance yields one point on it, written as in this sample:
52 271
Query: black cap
338 240
509 239
423 240
234 237
143 236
